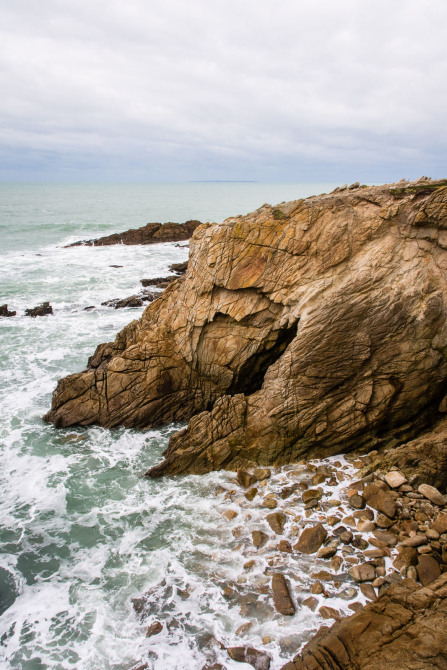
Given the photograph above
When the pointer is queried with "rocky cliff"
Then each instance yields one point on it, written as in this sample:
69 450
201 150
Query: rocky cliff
312 327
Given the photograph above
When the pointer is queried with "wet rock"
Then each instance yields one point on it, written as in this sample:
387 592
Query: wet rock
159 281
428 570
245 479
269 503
389 539
311 539
281 595
368 591
366 526
4 311
151 233
329 551
131 301
180 268
229 514
380 500
362 573
276 521
404 628
262 473
317 588
329 613
311 494
311 603
258 659
357 501
406 556
285 546
432 494
154 629
395 479
251 493
346 536
41 310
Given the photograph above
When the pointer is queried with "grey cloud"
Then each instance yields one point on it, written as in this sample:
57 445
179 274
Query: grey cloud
251 90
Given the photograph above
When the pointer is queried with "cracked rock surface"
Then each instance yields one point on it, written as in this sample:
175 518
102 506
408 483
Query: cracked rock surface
404 629
308 328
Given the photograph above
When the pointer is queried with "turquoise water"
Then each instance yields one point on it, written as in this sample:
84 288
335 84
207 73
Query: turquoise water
83 532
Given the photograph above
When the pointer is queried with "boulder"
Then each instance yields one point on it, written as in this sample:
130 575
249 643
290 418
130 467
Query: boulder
236 347
362 573
276 521
260 660
311 539
380 500
432 494
246 479
281 595
404 628
259 538
4 311
428 569
41 310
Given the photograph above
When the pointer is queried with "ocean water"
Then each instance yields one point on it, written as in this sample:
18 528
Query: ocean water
82 531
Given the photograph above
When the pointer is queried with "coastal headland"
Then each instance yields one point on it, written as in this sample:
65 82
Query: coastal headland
300 331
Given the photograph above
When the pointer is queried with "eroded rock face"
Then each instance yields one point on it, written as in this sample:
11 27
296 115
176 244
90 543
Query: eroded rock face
404 628
315 326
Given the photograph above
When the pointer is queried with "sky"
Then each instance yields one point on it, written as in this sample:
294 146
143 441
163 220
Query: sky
265 90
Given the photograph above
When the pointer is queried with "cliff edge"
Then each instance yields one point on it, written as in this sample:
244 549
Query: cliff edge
315 326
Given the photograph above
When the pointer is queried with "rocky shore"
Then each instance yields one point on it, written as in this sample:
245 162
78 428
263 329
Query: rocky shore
151 233
344 540
302 331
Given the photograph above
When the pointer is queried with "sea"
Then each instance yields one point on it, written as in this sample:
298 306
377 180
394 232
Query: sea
83 532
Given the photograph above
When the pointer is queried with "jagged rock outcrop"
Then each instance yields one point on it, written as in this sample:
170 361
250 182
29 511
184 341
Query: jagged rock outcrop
312 327
151 233
404 630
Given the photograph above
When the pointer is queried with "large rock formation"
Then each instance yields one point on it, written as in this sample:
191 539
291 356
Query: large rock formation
151 233
403 630
309 328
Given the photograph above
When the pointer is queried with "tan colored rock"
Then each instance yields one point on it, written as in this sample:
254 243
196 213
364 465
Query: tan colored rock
285 546
154 629
368 591
406 557
259 538
428 569
262 473
404 628
276 521
251 494
380 500
395 479
241 334
245 479
229 514
281 595
432 494
311 539
329 613
258 659
311 603
362 573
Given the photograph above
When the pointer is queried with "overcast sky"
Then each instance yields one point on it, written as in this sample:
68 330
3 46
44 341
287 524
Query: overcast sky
268 90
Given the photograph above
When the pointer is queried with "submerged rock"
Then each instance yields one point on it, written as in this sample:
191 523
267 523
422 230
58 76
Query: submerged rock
307 328
281 595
